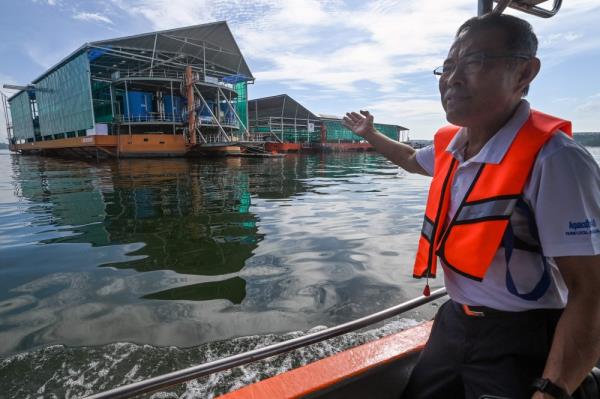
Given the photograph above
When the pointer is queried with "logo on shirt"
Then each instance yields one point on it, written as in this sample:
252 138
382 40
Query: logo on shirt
588 226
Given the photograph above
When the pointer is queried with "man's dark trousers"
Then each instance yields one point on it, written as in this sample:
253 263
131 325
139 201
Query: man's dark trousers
499 353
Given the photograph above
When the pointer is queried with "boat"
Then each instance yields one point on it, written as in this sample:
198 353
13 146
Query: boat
378 369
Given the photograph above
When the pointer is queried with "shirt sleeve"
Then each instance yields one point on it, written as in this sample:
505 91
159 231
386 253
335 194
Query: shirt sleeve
565 194
426 158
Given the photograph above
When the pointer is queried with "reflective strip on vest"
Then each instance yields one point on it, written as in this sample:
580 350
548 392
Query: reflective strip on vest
427 229
490 209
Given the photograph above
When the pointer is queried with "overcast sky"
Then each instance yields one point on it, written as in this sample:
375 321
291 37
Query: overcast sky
332 56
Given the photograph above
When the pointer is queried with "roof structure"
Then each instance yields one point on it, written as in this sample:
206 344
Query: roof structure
211 46
280 106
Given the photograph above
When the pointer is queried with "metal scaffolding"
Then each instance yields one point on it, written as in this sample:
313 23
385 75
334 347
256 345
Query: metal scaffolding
137 85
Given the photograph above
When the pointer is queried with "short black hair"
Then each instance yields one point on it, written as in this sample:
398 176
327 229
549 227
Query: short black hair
519 34
520 37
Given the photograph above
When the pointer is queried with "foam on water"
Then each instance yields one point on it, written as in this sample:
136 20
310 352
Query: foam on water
58 371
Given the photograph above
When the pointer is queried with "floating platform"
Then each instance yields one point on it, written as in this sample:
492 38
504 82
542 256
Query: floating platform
126 146
283 147
154 145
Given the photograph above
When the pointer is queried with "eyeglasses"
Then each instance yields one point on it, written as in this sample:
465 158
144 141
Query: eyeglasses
472 64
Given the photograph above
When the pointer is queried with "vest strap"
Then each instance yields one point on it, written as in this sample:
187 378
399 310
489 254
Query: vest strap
508 243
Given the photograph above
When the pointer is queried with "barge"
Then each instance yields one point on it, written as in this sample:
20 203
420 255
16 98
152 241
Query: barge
170 93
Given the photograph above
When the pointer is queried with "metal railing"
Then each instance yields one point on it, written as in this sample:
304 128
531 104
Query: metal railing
169 74
149 118
179 376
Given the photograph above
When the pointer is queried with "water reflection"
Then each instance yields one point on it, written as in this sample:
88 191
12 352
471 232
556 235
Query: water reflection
178 252
233 289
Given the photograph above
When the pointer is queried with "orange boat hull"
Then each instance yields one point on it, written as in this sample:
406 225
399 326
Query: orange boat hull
383 364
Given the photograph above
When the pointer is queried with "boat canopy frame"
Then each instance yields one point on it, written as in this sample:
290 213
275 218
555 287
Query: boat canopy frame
527 6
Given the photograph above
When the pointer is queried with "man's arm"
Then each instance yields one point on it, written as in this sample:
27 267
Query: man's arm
576 345
401 154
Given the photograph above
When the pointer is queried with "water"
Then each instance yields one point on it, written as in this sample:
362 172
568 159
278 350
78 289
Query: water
113 272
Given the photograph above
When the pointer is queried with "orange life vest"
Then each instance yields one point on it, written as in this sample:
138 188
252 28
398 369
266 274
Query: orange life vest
470 241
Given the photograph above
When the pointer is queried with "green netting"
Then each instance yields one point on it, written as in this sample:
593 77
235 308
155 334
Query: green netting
389 130
300 136
22 119
336 132
241 102
290 135
64 98
102 101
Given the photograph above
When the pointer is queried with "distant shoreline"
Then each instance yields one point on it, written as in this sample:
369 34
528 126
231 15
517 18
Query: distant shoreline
591 139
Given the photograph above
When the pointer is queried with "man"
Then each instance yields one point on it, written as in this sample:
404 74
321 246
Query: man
512 215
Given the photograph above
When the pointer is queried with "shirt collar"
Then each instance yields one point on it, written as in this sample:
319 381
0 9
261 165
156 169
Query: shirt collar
494 150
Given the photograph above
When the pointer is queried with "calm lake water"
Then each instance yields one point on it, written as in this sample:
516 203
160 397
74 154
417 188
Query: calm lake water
111 272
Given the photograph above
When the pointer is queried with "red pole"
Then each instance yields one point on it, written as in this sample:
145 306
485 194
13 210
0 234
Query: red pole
189 84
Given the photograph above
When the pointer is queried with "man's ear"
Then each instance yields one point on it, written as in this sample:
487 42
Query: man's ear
527 72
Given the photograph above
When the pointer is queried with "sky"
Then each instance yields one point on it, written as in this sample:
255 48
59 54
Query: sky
332 56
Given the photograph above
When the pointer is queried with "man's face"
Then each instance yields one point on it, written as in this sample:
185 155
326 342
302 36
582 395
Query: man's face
476 97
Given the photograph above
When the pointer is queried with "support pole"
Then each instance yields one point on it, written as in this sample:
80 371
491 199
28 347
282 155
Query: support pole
233 110
153 55
218 110
295 125
112 101
501 6
204 59
484 6
172 107
281 120
112 110
189 85
212 114
127 107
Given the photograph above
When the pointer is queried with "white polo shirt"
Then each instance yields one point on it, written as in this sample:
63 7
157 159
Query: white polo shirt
564 193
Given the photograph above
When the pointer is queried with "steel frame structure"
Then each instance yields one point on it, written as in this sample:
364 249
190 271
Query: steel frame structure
166 67
7 117
155 63
277 125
